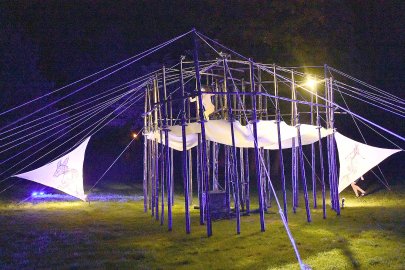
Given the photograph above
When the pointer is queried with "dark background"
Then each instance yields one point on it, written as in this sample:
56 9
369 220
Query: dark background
47 44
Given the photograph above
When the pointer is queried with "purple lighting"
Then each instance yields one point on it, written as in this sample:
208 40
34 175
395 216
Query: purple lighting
37 194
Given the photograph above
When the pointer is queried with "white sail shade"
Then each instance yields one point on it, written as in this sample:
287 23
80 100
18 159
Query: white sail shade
64 174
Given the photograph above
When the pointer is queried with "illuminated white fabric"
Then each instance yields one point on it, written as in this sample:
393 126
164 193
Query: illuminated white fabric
356 159
219 131
64 174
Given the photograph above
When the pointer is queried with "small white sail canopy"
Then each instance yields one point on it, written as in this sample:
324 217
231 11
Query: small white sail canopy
64 174
357 158
219 131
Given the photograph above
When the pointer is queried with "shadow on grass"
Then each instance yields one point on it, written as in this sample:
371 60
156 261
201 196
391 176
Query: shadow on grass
119 235
349 253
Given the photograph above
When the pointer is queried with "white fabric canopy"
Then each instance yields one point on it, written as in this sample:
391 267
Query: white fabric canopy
219 131
357 158
64 174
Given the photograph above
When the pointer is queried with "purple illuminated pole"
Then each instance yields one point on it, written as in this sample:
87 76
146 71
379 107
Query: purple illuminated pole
333 148
294 168
321 166
171 159
153 164
156 92
150 149
303 176
156 180
281 161
145 160
331 191
247 162
313 172
150 174
234 156
333 182
227 162
162 159
203 138
155 206
246 157
280 148
184 153
162 178
256 146
227 180
268 180
168 159
242 180
318 123
200 181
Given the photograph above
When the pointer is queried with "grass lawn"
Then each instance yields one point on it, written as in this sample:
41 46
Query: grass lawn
370 234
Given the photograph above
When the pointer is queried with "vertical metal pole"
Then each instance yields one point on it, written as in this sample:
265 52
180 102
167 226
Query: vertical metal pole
313 168
303 176
268 157
262 151
153 184
150 150
256 146
322 166
294 173
328 145
155 90
280 147
171 158
203 138
281 161
321 162
201 200
153 158
227 180
247 174
168 163
333 147
234 156
190 156
162 160
150 154
184 153
190 174
246 158
145 159
242 180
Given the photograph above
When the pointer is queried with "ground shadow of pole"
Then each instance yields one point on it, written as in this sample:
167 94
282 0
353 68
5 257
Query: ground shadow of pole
348 252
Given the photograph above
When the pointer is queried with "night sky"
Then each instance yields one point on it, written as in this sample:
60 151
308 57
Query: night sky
48 44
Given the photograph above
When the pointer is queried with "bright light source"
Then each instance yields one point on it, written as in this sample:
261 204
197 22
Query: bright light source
42 193
134 135
34 194
311 83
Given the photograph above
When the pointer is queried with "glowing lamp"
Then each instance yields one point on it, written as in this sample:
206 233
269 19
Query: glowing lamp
311 83
34 194
134 135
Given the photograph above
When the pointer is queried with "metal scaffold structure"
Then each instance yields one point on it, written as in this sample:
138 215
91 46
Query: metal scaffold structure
211 115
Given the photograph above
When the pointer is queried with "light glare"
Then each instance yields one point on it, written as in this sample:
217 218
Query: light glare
311 83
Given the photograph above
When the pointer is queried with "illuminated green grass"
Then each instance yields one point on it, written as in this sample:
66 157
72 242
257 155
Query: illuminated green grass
370 234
